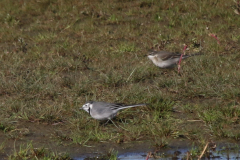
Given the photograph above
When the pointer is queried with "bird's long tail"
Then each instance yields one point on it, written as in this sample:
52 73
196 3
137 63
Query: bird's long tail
130 106
190 55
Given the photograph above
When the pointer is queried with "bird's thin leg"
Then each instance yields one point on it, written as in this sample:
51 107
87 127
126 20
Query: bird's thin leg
113 123
106 122
119 125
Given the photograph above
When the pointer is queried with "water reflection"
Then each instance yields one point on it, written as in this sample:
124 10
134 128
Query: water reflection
231 152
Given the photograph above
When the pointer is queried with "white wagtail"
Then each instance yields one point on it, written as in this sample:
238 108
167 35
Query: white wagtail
104 110
164 59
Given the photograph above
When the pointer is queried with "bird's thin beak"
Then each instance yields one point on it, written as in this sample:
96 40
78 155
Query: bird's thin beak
80 108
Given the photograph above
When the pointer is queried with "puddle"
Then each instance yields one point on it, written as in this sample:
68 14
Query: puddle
223 151
41 136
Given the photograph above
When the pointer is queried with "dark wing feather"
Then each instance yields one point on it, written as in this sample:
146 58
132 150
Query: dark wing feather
164 55
116 106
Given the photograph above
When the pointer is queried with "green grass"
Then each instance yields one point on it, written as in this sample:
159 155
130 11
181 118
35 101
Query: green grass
56 55
29 152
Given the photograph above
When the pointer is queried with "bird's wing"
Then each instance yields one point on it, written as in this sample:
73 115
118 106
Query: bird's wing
115 106
164 55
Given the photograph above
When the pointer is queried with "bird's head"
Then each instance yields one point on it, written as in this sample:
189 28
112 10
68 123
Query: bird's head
151 54
87 106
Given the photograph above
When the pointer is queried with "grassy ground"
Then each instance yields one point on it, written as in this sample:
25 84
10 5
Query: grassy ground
58 54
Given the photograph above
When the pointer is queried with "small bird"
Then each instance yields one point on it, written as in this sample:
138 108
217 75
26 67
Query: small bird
164 59
104 110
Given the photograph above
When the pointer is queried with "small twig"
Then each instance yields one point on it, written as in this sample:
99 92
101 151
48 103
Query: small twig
194 120
188 155
215 36
203 151
179 62
131 74
54 124
148 155
184 49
